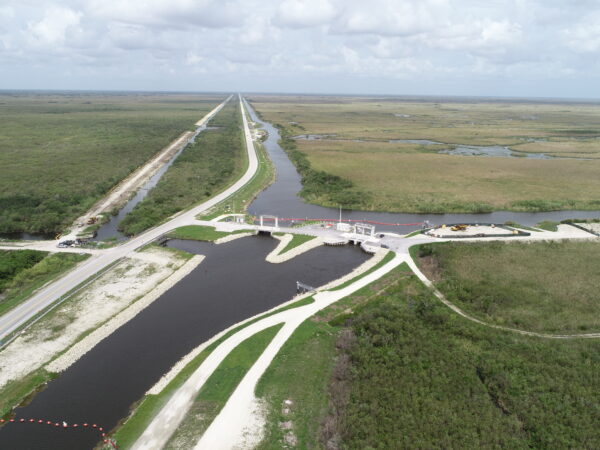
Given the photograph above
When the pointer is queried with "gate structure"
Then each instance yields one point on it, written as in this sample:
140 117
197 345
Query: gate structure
262 217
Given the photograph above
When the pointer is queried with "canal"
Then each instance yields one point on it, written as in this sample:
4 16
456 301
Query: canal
281 199
233 283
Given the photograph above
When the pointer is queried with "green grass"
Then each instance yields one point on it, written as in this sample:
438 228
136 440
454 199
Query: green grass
218 388
414 233
202 233
238 202
32 277
543 286
404 371
12 262
296 241
15 391
142 413
60 153
518 225
375 174
300 372
203 169
548 225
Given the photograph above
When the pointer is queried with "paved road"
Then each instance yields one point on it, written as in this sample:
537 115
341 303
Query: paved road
18 316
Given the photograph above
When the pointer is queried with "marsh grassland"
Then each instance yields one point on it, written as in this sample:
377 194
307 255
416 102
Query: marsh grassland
61 152
547 287
401 370
354 137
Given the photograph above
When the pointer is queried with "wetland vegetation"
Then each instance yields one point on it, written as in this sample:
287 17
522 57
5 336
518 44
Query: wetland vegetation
24 271
372 155
203 169
544 286
60 153
403 371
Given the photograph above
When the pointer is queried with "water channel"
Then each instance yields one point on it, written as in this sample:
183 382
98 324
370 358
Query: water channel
110 229
233 283
281 199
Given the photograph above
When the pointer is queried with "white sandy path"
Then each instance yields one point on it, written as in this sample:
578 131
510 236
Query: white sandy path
172 373
277 257
101 300
63 362
238 425
165 423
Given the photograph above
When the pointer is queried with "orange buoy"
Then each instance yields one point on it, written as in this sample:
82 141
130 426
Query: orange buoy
94 426
85 424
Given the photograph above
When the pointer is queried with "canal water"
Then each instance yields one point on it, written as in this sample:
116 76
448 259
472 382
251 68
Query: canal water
233 283
110 229
281 199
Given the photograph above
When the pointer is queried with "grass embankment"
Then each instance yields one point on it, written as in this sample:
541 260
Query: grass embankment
24 271
218 388
548 225
297 240
544 287
202 233
203 169
238 202
81 146
127 433
406 372
380 168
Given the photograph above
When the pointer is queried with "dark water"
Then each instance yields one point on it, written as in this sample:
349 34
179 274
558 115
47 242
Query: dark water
281 199
110 228
234 282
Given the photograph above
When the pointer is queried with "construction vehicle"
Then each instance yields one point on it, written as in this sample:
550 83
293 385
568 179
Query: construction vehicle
461 227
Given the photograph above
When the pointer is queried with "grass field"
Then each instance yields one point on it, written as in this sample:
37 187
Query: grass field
60 153
24 271
203 169
403 371
546 287
218 388
411 177
201 233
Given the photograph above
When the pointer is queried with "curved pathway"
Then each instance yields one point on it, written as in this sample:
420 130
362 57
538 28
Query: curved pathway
236 424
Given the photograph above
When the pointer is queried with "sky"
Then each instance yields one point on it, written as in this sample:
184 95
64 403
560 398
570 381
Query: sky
520 48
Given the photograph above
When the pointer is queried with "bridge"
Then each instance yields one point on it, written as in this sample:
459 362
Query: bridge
302 288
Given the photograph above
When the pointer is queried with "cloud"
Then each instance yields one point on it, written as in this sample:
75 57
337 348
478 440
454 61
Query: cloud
304 13
456 42
584 37
52 29
171 14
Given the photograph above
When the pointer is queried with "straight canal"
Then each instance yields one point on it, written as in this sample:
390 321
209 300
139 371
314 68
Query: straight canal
233 283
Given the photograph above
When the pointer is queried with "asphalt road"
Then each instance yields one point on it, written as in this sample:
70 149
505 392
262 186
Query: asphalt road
18 316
